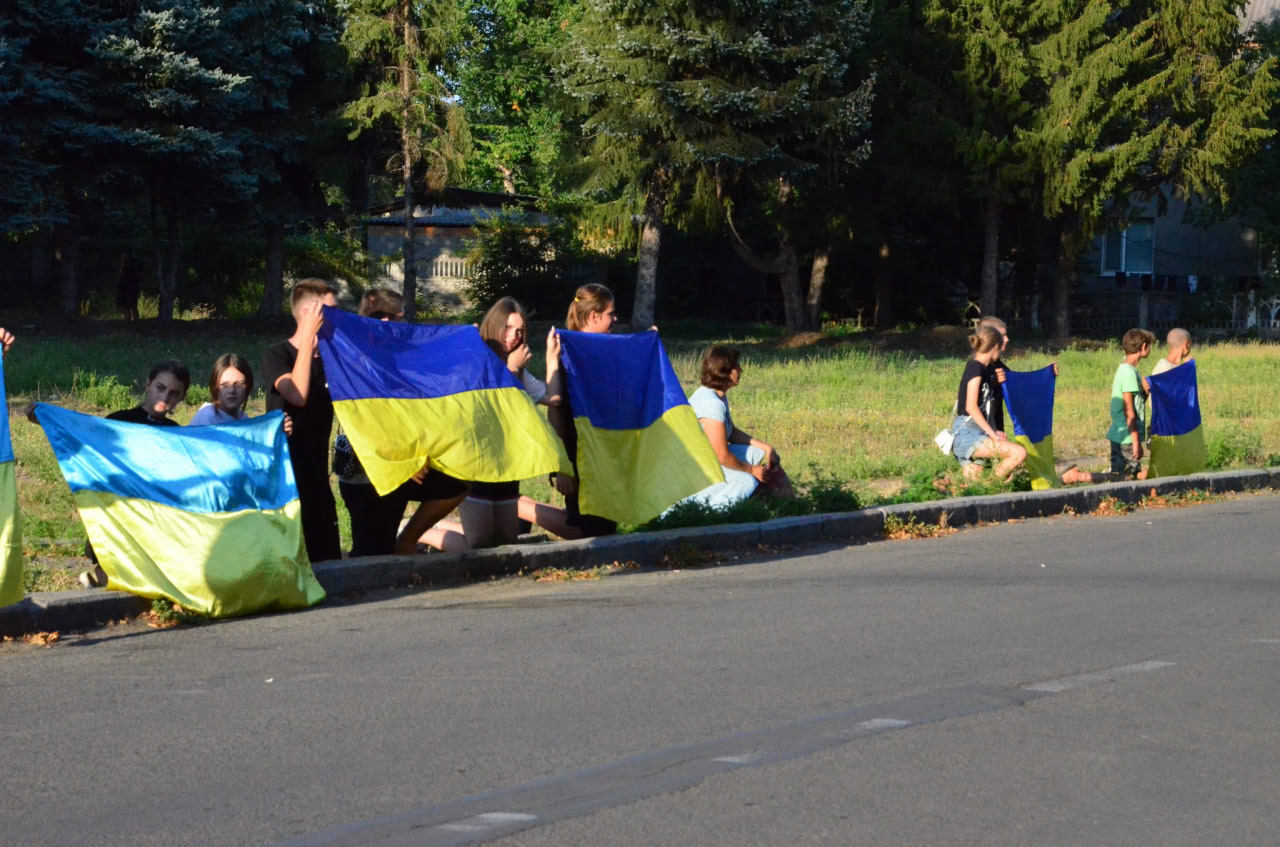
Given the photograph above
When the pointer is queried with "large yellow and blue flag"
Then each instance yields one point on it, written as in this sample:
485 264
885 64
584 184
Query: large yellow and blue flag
640 447
1029 397
11 590
206 516
406 394
1177 438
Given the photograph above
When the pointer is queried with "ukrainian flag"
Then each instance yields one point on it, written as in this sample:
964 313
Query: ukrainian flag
206 516
1177 439
1028 395
640 446
11 590
407 393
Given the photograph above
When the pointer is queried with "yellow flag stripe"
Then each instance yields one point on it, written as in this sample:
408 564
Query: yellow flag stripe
1178 455
220 564
11 590
632 475
1039 462
491 435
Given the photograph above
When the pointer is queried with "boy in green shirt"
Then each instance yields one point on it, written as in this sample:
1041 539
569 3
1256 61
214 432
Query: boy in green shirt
1128 406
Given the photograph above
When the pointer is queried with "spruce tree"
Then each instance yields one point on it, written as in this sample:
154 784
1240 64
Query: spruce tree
406 41
749 98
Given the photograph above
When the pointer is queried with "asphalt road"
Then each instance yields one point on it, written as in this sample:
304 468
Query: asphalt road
1063 681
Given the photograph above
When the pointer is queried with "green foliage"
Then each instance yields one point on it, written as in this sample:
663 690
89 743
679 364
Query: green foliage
1229 446
822 494
531 257
102 392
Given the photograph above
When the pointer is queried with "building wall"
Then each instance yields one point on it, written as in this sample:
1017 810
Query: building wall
441 260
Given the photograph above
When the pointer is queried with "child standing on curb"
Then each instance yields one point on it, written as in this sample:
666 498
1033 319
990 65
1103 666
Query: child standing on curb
293 377
1128 407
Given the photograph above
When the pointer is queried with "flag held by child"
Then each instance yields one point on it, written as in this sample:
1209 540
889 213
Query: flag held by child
1177 438
406 394
640 447
205 516
1029 398
11 589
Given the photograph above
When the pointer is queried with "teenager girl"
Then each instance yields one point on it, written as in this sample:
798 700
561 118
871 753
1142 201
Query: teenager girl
592 310
975 437
491 513
230 385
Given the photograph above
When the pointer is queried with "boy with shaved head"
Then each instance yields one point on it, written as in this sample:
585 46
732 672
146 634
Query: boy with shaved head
1179 341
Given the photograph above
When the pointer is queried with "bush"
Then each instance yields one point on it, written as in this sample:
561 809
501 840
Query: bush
104 392
1230 446
535 258
822 495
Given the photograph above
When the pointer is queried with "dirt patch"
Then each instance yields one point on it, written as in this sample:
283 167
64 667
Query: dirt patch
804 339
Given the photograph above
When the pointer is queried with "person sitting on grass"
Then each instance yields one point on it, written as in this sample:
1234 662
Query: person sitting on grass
749 465
492 512
166 387
230 385
1128 401
975 437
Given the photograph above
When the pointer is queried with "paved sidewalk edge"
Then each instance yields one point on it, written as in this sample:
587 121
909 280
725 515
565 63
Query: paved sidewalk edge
47 611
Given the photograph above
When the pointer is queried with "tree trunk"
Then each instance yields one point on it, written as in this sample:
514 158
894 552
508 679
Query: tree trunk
818 281
990 249
884 291
410 289
273 283
655 202
169 258
66 245
793 297
1068 252
508 179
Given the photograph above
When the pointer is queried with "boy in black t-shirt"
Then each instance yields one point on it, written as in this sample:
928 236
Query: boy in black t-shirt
293 377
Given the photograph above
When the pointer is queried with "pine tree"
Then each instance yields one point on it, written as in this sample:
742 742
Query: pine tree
409 39
753 96
1139 96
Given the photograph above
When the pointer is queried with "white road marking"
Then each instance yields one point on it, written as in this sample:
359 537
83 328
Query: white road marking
876 724
1266 641
1053 686
740 759
487 820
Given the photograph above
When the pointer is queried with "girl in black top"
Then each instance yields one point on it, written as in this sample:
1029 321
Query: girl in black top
975 437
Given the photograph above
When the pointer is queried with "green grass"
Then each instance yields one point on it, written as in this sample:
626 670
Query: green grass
853 415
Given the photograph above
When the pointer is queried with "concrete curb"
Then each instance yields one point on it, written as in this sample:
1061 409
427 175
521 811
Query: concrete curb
80 610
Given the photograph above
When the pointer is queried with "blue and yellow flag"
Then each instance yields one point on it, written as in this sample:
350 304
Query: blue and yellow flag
1177 438
206 516
11 590
640 447
1029 397
407 393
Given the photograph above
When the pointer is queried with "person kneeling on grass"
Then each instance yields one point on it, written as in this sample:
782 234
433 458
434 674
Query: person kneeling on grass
749 465
975 438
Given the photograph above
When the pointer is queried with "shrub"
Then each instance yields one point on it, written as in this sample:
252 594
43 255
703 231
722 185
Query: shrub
535 258
104 392
1230 446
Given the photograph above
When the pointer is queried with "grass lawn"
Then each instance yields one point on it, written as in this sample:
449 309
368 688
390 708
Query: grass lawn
859 408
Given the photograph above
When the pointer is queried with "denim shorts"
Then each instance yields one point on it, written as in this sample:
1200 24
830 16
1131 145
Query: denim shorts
968 436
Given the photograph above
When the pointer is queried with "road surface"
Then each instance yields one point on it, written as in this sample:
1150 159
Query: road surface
1061 681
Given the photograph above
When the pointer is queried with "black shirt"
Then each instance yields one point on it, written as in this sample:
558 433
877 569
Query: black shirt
139 415
990 394
312 423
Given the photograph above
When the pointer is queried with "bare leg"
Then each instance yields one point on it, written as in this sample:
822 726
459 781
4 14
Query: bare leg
548 517
1011 455
487 523
428 513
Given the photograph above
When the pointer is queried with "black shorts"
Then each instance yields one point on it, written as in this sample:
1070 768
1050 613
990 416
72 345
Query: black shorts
591 525
1122 461
495 492
436 485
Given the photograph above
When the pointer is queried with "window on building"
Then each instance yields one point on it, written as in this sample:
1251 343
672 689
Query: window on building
1131 250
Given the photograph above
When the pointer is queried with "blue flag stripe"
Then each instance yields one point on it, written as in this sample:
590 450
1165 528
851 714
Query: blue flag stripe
1175 400
619 381
1029 396
366 359
203 469
6 443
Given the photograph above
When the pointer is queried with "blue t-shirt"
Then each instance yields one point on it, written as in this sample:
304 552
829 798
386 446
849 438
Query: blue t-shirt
707 403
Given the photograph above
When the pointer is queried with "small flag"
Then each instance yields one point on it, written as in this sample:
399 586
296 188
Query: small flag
205 516
1029 398
407 393
640 446
11 589
1177 438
